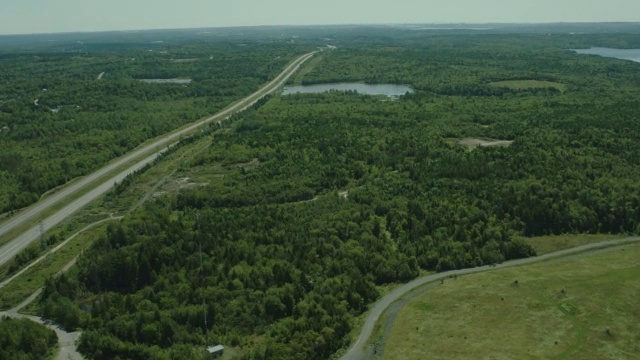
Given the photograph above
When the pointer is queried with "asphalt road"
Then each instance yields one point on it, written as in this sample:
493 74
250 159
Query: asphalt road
358 349
152 150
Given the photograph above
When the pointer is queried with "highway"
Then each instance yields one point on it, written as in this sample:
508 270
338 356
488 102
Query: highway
358 350
149 152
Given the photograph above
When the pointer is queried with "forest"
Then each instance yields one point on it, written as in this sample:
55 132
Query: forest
24 339
314 204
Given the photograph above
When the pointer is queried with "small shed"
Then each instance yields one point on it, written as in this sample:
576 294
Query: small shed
216 351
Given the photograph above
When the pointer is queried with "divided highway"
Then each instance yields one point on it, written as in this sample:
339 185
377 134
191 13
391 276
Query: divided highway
148 153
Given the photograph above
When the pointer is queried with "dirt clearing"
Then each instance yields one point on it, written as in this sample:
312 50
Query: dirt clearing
473 143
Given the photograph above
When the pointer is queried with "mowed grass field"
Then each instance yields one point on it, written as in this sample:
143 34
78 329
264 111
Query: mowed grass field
585 307
529 84
551 243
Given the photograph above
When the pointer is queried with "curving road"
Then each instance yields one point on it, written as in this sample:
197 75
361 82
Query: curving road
149 152
358 349
66 340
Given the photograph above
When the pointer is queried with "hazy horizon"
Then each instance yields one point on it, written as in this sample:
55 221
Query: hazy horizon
38 16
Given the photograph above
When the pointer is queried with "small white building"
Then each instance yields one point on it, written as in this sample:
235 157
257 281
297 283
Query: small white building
216 351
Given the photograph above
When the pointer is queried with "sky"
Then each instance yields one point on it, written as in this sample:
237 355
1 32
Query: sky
46 16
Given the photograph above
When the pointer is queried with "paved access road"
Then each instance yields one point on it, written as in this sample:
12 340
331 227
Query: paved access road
149 152
66 340
358 349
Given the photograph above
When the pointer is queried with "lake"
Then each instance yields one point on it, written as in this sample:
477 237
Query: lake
623 54
389 90
166 81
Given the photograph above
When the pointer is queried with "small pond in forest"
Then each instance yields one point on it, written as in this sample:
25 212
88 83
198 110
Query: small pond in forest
389 90
166 81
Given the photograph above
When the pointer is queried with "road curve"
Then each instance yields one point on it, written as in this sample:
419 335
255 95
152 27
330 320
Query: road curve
358 351
66 340
152 150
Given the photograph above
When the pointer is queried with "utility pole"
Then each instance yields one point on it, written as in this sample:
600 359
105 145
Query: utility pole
43 244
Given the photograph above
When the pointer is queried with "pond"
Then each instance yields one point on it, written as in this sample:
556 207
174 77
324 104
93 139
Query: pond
389 90
166 81
623 54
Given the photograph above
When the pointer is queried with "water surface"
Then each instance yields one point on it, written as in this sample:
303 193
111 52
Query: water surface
389 90
623 54
166 81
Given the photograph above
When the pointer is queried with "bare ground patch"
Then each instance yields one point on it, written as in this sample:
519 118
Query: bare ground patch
177 184
473 143
248 165
181 61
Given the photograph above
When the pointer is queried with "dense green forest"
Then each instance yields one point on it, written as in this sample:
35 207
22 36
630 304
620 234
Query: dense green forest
326 197
66 113
24 339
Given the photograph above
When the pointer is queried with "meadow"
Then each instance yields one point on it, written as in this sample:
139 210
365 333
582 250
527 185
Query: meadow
584 307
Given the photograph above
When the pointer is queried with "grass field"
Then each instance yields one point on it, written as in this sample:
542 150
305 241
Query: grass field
528 84
585 307
547 244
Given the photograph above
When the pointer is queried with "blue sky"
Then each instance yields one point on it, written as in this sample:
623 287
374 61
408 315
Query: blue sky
35 16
